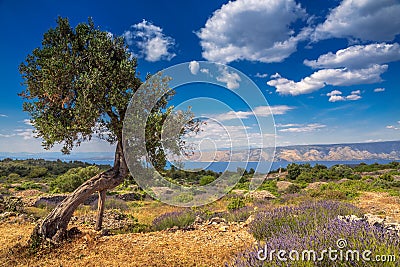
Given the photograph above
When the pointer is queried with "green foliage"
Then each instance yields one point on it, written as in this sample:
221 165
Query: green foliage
19 170
362 167
12 204
72 179
236 203
293 170
28 185
207 179
269 185
78 82
37 172
292 189
179 219
184 197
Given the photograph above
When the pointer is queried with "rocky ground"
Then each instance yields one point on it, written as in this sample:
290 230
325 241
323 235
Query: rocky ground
205 243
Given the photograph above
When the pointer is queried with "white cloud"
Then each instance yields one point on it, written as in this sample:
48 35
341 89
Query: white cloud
378 90
231 79
321 78
303 128
334 92
368 20
194 67
206 71
280 109
260 111
153 45
256 30
353 97
261 75
27 134
336 96
3 115
28 122
7 135
287 125
394 127
358 56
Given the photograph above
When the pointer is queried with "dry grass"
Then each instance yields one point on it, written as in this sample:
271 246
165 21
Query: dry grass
203 247
381 204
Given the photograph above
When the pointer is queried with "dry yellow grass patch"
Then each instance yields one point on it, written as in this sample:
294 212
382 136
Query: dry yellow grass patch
202 247
380 203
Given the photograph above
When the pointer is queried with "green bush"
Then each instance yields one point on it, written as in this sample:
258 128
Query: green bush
28 185
236 203
72 179
12 204
207 179
181 219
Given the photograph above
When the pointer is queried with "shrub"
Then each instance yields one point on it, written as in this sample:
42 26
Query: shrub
72 179
358 236
181 219
184 198
299 220
292 189
236 215
236 203
206 179
28 185
12 204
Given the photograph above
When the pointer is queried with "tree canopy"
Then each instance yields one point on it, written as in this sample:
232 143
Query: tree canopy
78 84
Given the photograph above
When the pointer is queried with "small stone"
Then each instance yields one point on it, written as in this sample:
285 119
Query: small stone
216 220
224 228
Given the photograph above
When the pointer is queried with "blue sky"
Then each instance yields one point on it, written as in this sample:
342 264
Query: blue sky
328 69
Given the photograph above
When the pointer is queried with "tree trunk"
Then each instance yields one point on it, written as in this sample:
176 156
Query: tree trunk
54 226
100 209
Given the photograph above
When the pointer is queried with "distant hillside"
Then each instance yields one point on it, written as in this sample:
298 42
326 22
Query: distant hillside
389 150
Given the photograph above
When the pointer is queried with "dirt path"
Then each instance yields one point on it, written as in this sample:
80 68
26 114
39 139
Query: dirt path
209 246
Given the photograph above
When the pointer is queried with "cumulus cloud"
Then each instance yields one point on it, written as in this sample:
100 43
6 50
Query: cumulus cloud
379 90
321 78
194 67
27 134
231 79
256 30
261 75
368 20
393 127
261 111
358 56
302 128
151 42
334 92
7 135
336 96
28 122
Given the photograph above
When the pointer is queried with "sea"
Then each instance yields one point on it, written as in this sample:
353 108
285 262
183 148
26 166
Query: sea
260 167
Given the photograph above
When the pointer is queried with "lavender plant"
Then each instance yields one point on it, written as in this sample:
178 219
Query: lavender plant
181 219
315 227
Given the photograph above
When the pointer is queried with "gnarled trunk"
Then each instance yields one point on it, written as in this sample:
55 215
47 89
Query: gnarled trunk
55 224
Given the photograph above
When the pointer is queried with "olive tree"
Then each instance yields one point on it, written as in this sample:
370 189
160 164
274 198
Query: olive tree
78 85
